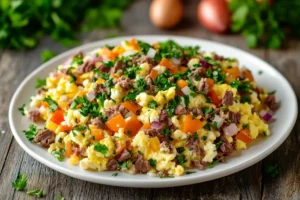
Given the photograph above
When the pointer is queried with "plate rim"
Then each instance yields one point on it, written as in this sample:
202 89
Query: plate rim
155 183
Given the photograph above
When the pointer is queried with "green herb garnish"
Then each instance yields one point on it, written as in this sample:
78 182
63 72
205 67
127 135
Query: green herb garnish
31 133
20 183
102 148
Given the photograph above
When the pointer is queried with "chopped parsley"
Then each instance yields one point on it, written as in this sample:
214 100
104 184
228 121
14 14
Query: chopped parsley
190 172
204 137
60 197
207 110
144 46
260 72
186 100
181 159
152 162
235 84
38 193
22 109
123 165
180 150
214 125
166 131
115 174
245 99
245 126
214 163
40 83
52 104
245 87
73 78
218 144
129 132
58 154
31 133
152 104
102 148
272 170
272 92
79 128
20 183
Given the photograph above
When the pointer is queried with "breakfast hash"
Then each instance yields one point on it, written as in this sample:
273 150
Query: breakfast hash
160 109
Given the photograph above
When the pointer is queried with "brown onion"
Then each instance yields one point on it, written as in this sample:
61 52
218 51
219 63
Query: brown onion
214 15
166 13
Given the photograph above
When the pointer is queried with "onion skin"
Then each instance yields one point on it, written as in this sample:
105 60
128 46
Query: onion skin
214 15
166 14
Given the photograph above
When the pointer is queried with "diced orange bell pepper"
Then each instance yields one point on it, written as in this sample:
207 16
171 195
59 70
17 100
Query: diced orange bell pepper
132 126
134 44
175 70
45 104
106 52
214 97
58 116
182 83
146 126
131 106
248 75
97 133
244 135
210 82
166 63
191 125
64 128
116 122
120 148
154 144
153 74
100 81
68 147
114 76
233 74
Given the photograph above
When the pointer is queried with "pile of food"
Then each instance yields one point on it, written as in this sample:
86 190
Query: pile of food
159 109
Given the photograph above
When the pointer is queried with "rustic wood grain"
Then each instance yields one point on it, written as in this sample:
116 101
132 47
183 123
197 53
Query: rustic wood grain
247 184
287 185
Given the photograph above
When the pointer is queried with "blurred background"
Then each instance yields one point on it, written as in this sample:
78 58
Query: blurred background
24 24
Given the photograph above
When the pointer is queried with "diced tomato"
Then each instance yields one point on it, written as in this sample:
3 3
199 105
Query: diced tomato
116 122
58 116
244 135
191 125
214 97
64 128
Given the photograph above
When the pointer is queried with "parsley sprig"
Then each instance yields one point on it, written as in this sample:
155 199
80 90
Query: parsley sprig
21 182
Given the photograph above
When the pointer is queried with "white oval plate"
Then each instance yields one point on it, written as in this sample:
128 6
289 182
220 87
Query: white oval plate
270 79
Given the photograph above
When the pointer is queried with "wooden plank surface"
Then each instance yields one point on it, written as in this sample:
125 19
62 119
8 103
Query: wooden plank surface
247 184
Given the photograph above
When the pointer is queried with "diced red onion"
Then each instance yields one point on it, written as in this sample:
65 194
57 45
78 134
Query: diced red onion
186 90
95 59
219 120
151 53
231 130
55 74
266 115
91 96
176 61
155 125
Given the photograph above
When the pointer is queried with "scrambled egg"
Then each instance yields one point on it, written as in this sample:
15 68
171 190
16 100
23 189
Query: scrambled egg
75 119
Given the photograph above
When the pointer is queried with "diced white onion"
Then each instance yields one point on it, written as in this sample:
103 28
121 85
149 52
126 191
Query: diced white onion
219 120
186 90
129 53
151 53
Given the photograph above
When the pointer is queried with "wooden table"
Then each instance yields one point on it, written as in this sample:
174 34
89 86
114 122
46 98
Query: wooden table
250 183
